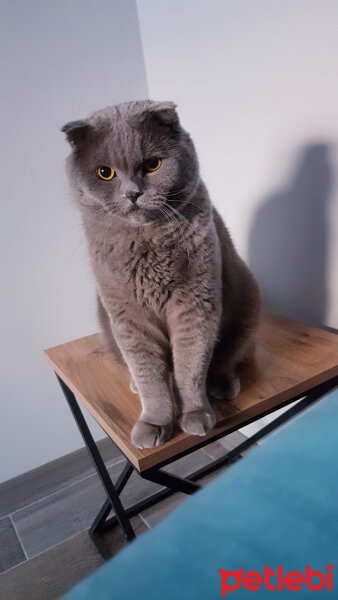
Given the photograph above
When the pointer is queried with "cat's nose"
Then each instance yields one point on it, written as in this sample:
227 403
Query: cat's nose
132 195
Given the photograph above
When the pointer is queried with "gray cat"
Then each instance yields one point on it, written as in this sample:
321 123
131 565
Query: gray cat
173 294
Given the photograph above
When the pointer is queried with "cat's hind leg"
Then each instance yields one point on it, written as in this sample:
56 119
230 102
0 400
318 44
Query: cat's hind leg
226 387
223 383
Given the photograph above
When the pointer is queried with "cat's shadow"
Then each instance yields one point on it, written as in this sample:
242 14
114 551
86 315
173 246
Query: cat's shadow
288 243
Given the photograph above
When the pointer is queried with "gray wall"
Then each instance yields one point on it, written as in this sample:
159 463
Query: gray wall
60 60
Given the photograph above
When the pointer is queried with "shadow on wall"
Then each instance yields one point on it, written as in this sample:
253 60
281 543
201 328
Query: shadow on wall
288 243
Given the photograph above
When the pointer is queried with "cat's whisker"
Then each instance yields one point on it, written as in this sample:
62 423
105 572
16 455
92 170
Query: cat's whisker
104 224
174 218
83 236
182 217
104 234
82 223
201 226
81 241
180 191
77 226
193 203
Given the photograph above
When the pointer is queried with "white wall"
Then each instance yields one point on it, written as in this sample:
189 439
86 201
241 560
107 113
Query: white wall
256 85
60 60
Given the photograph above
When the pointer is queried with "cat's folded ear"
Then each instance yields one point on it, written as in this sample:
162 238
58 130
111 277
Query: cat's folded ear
165 112
162 112
77 132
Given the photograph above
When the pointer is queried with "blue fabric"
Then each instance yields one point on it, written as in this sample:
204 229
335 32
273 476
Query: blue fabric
276 506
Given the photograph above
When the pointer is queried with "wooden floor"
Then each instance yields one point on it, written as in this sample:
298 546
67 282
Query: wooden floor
45 548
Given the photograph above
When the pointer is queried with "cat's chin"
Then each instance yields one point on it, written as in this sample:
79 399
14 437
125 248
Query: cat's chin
139 219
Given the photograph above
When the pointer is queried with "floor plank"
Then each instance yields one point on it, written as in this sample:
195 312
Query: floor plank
186 465
39 483
53 573
215 450
233 440
224 445
11 552
61 515
65 513
156 513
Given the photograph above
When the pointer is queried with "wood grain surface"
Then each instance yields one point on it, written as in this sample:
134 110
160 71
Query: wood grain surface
291 358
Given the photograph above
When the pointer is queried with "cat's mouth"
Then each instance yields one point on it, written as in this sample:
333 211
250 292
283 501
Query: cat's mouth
133 208
140 209
141 212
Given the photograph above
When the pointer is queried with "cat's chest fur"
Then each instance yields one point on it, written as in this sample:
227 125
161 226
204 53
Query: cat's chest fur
146 271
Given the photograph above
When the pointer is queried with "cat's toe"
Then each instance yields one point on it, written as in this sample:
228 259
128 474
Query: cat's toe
224 389
146 435
133 387
197 422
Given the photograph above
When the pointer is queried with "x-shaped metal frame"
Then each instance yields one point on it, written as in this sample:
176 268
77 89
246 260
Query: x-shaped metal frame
172 483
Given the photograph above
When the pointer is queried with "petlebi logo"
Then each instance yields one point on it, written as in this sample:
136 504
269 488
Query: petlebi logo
274 580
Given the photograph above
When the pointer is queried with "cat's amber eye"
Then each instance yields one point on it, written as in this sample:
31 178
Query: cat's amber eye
105 173
152 164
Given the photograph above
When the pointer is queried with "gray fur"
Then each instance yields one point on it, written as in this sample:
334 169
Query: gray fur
173 294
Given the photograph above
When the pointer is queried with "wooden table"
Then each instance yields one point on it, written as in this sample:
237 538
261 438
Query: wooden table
293 361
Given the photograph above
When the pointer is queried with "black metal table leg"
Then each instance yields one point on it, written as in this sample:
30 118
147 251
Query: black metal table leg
107 483
179 484
101 517
104 511
123 478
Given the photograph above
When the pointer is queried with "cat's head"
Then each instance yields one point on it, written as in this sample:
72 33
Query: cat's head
131 159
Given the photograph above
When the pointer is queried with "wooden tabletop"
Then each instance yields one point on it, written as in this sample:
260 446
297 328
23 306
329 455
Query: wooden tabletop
291 358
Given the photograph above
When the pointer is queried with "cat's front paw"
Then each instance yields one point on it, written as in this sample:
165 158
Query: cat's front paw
198 422
146 435
132 386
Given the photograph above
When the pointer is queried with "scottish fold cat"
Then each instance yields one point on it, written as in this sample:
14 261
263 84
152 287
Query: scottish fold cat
173 294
